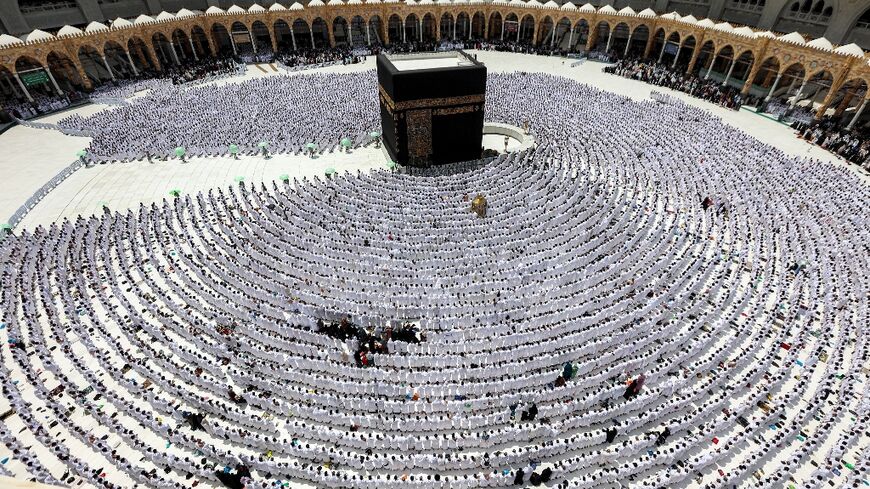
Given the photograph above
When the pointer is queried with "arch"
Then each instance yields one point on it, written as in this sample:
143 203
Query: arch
412 28
243 39
283 35
791 78
463 26
670 49
303 34
581 35
116 58
526 27
25 64
845 102
446 25
685 51
320 32
546 32
637 42
92 63
766 74
376 30
704 57
619 38
478 24
181 43
600 36
139 52
358 34
163 49
394 29
262 37
721 62
64 71
741 69
658 43
429 27
10 91
222 41
815 90
562 33
340 31
496 25
200 41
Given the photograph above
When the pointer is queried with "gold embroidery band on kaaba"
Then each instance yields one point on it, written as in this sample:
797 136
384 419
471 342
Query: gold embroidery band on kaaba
428 103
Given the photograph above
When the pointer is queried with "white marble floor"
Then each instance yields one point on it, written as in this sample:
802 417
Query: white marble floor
33 156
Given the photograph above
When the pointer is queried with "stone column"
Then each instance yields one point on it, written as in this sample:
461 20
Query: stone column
662 53
311 32
773 87
553 38
108 68
502 29
253 41
677 56
174 53
609 40
53 81
274 40
23 88
710 69
404 35
350 32
368 35
730 70
571 40
454 29
420 28
293 37
794 100
519 30
627 45
132 64
193 49
854 119
233 42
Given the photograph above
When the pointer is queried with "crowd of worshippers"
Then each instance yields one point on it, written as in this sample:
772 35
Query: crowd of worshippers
41 104
853 145
366 342
677 79
308 56
206 120
629 246
198 70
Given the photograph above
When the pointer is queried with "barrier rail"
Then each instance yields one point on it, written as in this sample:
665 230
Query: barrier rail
40 193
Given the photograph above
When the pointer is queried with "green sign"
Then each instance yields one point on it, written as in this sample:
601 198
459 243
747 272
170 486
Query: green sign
34 78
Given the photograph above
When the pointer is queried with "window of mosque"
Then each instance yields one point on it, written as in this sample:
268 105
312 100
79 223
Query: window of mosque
38 5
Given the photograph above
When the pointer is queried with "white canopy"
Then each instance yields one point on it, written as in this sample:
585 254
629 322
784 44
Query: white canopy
821 43
69 31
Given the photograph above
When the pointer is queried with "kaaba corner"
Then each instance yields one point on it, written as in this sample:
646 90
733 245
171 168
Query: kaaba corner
431 107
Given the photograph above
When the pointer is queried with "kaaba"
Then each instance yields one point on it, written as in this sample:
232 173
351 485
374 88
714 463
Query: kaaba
431 107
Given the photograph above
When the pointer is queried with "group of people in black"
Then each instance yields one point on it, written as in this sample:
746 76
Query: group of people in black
369 341
853 145
311 56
